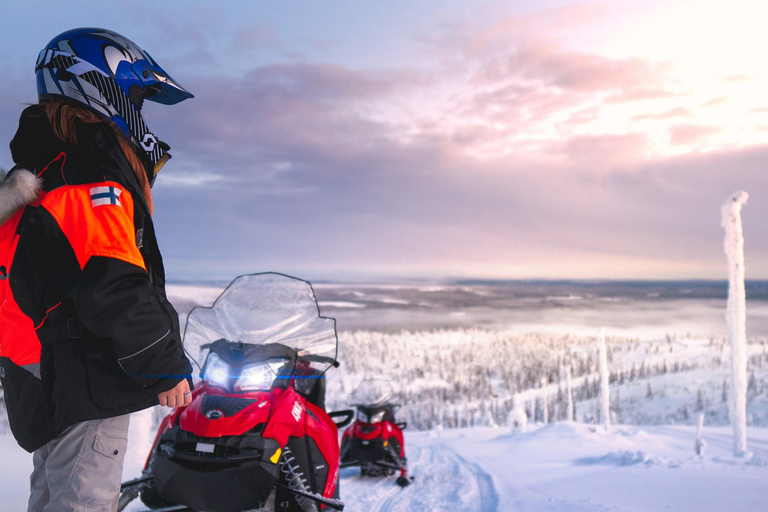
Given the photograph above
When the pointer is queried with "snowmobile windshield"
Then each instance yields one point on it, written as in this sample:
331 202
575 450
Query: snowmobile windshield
373 393
258 312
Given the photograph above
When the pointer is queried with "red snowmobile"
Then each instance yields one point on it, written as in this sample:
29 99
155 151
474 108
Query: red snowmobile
375 440
256 435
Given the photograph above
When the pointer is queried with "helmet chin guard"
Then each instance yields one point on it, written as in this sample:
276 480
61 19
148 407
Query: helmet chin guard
112 76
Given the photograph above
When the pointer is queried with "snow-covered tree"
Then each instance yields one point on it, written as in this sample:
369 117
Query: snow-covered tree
700 400
488 420
736 316
517 420
752 385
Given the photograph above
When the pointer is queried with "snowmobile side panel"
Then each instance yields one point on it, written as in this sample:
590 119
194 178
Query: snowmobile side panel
323 433
287 417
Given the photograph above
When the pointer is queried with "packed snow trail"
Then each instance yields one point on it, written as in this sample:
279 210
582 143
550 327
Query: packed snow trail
489 500
444 481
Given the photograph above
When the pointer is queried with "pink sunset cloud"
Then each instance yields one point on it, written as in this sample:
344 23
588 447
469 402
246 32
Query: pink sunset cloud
602 151
691 134
662 116
720 100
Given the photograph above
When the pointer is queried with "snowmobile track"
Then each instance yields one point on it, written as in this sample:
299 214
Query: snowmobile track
387 502
443 481
489 499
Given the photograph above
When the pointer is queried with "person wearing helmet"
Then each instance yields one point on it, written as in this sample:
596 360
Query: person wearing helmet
88 334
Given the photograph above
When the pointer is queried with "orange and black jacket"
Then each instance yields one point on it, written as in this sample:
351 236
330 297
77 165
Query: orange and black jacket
86 330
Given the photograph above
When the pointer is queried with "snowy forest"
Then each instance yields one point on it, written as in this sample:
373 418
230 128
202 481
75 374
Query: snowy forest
475 377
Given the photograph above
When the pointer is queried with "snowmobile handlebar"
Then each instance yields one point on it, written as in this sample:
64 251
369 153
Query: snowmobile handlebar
314 358
347 415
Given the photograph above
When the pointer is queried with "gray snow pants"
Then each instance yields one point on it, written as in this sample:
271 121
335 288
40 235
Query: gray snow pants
80 470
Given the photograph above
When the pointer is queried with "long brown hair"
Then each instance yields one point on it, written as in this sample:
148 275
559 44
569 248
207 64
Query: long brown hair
62 115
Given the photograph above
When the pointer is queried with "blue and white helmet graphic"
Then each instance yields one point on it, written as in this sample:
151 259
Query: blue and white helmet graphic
111 75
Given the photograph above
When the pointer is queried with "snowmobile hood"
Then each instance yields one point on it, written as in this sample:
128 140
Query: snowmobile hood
216 415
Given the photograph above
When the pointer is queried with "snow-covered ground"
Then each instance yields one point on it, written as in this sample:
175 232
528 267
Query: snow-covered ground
570 467
564 466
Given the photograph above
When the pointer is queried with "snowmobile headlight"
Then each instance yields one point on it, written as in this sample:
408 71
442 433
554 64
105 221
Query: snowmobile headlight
362 417
259 376
376 418
216 371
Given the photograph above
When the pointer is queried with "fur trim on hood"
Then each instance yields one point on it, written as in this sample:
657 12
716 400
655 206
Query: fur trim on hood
18 189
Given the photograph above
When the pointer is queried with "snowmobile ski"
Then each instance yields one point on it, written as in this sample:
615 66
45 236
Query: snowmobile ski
328 502
135 482
404 481
170 508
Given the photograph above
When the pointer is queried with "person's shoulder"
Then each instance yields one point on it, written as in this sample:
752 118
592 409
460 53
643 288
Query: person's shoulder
88 166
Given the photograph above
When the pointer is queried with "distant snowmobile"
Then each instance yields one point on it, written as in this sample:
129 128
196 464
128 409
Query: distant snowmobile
375 440
256 435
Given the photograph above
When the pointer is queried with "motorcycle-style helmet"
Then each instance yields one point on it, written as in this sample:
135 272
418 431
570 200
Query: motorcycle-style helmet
113 76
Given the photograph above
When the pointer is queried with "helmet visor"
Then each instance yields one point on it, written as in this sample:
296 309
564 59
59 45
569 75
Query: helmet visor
159 84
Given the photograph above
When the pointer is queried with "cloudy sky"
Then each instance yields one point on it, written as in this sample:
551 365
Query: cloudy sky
442 138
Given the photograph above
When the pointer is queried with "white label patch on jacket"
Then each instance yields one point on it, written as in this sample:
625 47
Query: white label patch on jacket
105 195
296 412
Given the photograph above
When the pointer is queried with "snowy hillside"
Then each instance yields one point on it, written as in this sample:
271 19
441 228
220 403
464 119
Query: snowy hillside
565 467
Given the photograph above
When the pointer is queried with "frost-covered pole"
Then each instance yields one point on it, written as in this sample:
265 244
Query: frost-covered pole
568 392
736 316
569 388
701 444
604 394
